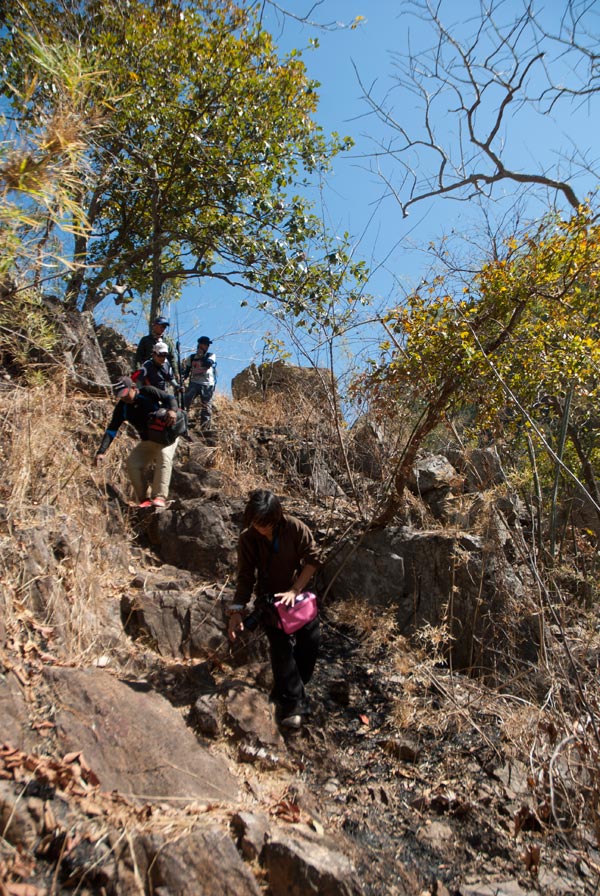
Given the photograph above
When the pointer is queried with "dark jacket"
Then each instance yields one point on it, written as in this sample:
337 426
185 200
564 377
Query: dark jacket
159 376
146 345
148 401
273 565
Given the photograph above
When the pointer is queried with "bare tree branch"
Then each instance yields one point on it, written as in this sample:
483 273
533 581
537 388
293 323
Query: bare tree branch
470 92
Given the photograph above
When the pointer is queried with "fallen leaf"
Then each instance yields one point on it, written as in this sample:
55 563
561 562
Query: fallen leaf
364 719
23 890
71 757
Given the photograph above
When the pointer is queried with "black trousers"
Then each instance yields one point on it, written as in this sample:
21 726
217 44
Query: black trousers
293 659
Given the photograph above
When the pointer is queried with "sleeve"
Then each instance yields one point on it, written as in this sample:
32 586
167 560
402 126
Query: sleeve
112 428
141 353
209 360
308 550
246 569
164 399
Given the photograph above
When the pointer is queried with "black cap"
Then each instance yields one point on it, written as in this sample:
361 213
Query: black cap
123 386
205 340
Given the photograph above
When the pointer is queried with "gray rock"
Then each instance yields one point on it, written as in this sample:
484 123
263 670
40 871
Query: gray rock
435 577
300 862
174 623
251 831
204 715
251 716
133 739
481 467
198 535
432 472
204 862
281 378
78 346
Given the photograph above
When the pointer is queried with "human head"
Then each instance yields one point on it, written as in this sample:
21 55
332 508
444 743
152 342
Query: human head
125 389
159 325
263 508
160 351
204 342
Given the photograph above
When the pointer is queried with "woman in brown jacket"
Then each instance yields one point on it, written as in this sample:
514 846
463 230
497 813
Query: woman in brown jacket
277 554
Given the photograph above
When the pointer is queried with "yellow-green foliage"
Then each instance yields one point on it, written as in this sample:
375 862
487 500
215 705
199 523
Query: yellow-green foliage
511 345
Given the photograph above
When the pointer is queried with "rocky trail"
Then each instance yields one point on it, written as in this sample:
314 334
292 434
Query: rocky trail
139 754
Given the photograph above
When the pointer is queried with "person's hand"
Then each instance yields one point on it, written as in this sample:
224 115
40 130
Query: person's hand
98 459
170 418
287 597
235 625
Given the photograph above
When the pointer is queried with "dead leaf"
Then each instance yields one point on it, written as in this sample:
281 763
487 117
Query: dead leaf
364 719
23 890
71 757
43 726
531 858
287 811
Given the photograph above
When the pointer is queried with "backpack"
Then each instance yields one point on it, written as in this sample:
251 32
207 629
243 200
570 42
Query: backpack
159 432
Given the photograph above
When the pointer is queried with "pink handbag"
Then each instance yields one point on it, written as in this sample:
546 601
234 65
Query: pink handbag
293 618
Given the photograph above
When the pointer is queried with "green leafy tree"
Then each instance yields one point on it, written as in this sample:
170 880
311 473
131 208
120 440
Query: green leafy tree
521 337
199 168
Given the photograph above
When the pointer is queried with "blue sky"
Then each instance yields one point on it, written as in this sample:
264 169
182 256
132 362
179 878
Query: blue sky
393 246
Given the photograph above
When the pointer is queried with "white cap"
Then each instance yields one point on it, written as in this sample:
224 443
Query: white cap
160 348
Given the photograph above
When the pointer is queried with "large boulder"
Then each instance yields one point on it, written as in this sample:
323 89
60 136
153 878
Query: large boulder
78 346
298 861
279 378
200 535
434 479
481 468
454 579
133 739
174 622
205 861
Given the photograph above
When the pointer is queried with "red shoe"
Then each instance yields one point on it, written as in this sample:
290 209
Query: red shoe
145 504
159 501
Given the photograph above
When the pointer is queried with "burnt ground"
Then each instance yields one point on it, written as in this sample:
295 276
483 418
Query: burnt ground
420 768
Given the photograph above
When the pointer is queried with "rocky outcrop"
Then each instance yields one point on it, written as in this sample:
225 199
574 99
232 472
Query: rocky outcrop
436 578
118 355
78 346
199 535
280 378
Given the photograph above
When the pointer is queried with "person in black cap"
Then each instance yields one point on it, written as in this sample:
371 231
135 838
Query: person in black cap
152 413
146 344
200 367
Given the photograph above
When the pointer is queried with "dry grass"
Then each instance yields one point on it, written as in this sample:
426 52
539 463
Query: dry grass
60 566
258 439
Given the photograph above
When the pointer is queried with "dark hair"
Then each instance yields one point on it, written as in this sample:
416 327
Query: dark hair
263 507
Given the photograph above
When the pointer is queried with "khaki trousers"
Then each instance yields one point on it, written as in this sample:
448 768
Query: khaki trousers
144 455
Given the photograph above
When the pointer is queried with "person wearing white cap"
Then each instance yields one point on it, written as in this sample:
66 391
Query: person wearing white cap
157 371
154 415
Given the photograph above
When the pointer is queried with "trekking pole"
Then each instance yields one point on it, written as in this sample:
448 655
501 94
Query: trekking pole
179 370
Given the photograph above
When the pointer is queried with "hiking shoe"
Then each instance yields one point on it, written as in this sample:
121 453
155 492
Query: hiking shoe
145 504
294 721
159 501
